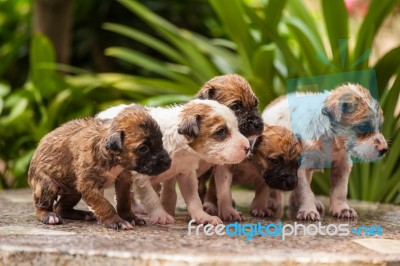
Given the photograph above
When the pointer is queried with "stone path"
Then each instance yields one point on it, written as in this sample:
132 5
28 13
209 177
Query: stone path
24 241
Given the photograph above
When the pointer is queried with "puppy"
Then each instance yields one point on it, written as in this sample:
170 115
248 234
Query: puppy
82 157
234 92
333 126
271 167
198 130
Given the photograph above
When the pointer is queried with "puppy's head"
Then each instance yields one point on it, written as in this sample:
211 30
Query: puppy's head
136 140
356 118
235 92
211 129
276 155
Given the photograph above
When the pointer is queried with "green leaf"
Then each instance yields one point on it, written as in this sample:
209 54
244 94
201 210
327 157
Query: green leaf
336 22
42 56
165 100
377 12
145 39
231 13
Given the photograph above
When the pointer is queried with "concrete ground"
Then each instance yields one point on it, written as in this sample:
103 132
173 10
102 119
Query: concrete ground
24 241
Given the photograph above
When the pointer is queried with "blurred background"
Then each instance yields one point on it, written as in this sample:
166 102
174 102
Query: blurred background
65 59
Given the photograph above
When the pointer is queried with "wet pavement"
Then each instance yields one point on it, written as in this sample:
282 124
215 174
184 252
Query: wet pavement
24 241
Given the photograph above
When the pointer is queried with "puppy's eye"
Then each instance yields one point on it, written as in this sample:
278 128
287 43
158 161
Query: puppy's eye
221 132
143 149
236 106
273 160
365 127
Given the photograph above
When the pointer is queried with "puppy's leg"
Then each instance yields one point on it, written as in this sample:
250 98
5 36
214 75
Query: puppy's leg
123 186
102 208
210 200
259 206
150 200
44 194
168 196
136 206
339 179
303 198
203 183
223 182
189 189
65 208
276 202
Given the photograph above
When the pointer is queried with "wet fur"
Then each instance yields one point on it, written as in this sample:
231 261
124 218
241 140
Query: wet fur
82 157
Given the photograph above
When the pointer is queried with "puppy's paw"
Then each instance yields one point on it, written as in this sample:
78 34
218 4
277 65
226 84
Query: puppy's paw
134 220
51 218
308 215
210 208
119 225
89 216
230 214
343 211
204 218
262 212
320 207
161 217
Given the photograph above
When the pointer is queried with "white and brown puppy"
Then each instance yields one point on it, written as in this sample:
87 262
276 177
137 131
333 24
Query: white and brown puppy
333 126
271 167
198 130
82 157
234 92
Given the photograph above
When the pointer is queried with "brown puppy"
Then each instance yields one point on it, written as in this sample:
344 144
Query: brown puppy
234 92
84 156
272 167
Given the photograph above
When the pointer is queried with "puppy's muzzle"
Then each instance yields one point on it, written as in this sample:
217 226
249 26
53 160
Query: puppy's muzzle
285 182
156 164
251 126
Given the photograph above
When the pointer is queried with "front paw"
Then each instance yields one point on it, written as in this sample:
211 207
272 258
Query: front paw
210 208
308 214
230 214
261 212
204 218
161 217
343 211
134 220
118 224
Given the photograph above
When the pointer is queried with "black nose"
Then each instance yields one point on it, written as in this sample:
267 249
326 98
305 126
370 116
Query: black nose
289 183
382 152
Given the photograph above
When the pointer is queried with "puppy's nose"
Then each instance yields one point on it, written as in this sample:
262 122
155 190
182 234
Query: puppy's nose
246 149
382 152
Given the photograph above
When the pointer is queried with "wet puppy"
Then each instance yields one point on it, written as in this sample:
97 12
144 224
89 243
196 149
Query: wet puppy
271 167
199 130
82 157
234 92
333 126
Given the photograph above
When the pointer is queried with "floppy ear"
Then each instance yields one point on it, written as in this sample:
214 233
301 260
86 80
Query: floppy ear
348 103
189 127
114 142
207 92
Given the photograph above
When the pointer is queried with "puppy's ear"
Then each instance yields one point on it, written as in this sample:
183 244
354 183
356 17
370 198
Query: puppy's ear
189 127
207 93
115 141
348 103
